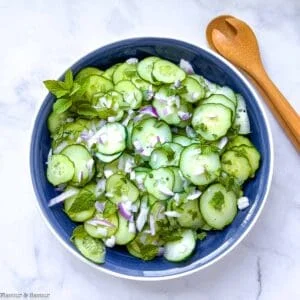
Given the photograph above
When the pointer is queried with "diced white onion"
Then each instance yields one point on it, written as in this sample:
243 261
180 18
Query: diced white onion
110 242
186 66
194 195
132 61
172 214
142 218
243 202
108 173
223 142
164 190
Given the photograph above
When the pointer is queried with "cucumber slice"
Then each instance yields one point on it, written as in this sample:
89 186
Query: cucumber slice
124 71
183 140
220 99
84 214
182 249
190 216
55 121
218 206
147 133
242 119
199 168
238 141
251 154
96 84
119 189
60 169
195 91
108 158
236 165
110 71
145 68
112 138
100 227
157 212
178 180
132 96
123 234
227 92
80 157
92 249
166 155
212 121
169 108
167 72
86 72
159 183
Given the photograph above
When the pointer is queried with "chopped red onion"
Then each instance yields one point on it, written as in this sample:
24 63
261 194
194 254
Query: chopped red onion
101 222
190 132
142 218
110 242
163 189
100 206
131 227
172 214
152 225
194 195
132 61
134 208
166 111
223 142
184 115
80 176
149 110
63 196
186 66
100 186
149 94
123 211
161 251
60 147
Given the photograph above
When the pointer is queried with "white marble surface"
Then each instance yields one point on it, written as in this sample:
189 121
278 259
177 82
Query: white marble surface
39 40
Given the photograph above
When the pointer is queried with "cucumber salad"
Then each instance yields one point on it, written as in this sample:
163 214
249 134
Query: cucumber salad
149 156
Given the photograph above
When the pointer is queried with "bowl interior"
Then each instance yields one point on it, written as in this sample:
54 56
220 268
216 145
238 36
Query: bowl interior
214 69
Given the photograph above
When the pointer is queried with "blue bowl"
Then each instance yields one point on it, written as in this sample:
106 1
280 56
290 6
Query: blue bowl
217 244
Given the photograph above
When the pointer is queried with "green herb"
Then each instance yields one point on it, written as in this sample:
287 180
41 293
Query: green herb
233 131
129 73
168 233
201 236
193 214
84 200
109 209
78 232
217 200
209 148
229 183
201 127
207 174
61 105
170 153
147 251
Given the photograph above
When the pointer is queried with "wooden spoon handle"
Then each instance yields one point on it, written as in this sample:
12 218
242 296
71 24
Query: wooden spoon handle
283 111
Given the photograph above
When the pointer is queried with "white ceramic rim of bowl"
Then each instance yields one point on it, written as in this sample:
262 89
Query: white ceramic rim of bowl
229 249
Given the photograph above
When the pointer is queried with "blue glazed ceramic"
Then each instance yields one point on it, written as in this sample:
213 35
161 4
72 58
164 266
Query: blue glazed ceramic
217 244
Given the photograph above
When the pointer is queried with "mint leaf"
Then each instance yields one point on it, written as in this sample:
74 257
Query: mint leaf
217 201
201 236
56 88
84 200
61 105
110 209
69 79
147 252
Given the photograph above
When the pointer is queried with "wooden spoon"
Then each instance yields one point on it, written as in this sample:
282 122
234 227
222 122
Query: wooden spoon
235 40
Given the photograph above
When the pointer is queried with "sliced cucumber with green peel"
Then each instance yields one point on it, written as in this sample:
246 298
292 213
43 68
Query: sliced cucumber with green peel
167 72
110 71
123 235
218 206
120 189
147 133
220 99
238 141
159 183
86 72
124 71
132 96
145 68
212 121
199 168
227 92
182 249
60 169
95 84
101 227
80 157
91 248
178 180
108 158
236 165
195 91
112 139
166 155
